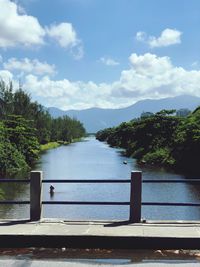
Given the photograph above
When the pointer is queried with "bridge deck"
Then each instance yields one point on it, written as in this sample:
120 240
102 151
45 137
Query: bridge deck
100 234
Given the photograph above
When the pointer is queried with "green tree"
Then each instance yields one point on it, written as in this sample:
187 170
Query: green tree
23 136
11 160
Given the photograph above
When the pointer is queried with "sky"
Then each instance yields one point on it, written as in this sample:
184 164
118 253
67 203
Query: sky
78 54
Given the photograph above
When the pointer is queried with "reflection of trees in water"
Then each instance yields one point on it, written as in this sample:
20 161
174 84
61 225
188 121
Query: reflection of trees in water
195 196
193 188
1 194
13 191
195 192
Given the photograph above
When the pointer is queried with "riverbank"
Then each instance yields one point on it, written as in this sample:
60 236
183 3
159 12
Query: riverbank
56 144
52 145
49 145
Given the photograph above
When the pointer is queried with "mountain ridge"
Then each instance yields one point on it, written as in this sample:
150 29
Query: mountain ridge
95 119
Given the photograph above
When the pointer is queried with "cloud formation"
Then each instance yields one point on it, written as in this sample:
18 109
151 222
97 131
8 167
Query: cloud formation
66 94
19 29
29 66
168 37
65 35
149 76
109 61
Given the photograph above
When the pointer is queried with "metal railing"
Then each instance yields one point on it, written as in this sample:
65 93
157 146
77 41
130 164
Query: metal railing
135 202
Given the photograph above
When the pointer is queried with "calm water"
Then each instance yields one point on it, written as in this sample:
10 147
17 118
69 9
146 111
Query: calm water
91 159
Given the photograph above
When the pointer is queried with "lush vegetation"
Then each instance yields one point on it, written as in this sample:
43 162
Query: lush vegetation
49 145
161 139
25 126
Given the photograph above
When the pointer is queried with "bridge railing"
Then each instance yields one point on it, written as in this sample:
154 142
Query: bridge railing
36 180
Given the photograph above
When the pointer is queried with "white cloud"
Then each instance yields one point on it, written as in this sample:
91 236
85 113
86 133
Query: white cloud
17 28
30 66
66 94
168 37
6 76
195 65
150 64
49 88
149 76
63 33
140 36
109 61
66 36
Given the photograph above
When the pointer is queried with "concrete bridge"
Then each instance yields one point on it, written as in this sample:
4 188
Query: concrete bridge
134 233
100 234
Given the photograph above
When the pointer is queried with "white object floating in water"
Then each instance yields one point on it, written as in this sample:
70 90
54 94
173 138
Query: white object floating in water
125 162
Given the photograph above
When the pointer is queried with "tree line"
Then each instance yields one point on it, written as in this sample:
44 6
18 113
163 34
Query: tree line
25 125
162 139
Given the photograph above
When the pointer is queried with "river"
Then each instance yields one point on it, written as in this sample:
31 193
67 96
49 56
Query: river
91 159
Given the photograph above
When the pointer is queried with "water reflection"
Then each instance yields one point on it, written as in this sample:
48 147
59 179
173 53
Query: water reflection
15 191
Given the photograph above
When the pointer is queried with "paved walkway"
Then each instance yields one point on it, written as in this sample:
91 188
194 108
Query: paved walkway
57 233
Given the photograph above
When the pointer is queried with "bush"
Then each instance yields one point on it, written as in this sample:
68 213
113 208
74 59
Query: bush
159 157
11 160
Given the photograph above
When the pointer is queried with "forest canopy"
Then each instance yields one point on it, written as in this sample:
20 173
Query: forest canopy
160 139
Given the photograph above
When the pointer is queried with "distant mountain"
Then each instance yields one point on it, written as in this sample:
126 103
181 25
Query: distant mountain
95 119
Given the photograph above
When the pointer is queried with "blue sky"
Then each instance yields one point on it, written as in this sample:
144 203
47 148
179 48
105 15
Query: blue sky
77 54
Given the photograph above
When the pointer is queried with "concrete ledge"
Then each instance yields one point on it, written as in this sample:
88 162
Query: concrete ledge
20 241
119 235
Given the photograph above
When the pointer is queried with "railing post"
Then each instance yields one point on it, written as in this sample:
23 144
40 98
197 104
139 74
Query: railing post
135 197
35 195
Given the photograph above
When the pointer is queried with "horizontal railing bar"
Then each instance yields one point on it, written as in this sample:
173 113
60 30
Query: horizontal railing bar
100 181
11 202
14 180
170 204
84 203
172 181
87 181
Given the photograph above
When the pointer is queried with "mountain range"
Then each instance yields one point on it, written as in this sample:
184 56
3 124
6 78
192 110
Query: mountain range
95 119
